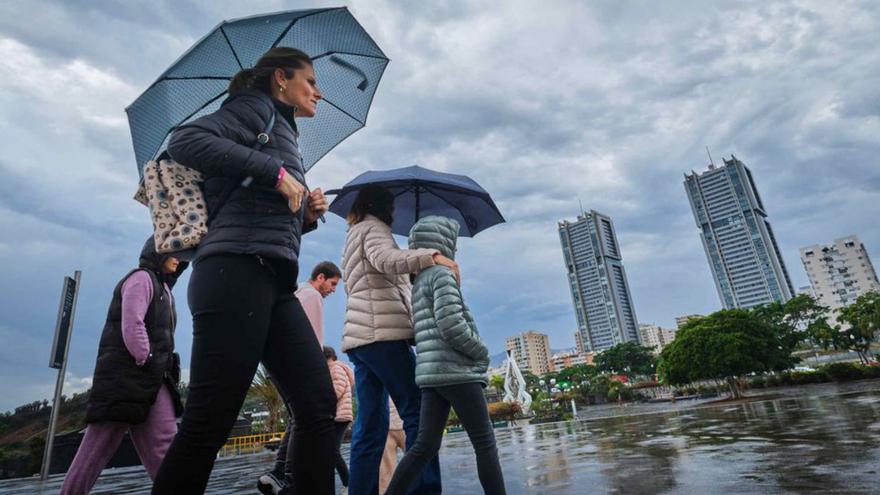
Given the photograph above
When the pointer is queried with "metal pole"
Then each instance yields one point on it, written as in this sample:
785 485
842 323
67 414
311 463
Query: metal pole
59 384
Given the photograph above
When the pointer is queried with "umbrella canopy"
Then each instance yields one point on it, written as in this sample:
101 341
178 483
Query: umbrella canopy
347 62
419 192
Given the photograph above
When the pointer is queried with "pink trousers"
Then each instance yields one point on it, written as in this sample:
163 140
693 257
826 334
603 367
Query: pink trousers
151 440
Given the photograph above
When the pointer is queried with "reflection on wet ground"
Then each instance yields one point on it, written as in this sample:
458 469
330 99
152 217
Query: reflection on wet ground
814 439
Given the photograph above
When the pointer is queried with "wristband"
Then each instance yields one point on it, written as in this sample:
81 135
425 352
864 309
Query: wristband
281 174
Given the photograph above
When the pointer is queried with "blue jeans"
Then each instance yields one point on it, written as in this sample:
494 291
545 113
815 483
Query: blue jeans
382 369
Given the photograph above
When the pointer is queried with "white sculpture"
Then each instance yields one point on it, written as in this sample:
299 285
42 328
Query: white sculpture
515 386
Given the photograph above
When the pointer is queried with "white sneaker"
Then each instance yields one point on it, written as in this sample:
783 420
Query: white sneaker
268 484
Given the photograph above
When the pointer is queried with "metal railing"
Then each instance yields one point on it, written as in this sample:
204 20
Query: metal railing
248 444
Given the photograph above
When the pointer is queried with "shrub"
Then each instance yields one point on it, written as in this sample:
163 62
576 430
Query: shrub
504 410
785 379
757 382
771 381
802 378
871 371
843 372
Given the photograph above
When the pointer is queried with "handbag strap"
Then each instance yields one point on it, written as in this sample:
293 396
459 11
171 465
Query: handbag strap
262 138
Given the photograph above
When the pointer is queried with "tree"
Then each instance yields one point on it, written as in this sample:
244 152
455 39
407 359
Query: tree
863 321
577 374
264 391
531 379
628 359
794 321
724 345
497 382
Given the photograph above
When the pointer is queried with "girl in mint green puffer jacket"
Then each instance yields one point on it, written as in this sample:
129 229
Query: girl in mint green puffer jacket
451 364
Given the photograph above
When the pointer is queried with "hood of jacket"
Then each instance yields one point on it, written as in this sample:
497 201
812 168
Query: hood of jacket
435 232
152 261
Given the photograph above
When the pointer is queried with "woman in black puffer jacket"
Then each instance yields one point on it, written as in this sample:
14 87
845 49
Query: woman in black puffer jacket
241 290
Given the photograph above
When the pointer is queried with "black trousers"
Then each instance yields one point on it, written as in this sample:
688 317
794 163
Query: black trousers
244 312
470 405
341 466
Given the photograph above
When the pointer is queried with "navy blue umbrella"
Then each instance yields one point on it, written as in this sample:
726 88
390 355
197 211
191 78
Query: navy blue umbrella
419 192
348 64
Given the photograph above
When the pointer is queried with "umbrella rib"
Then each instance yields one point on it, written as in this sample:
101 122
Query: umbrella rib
187 78
223 31
346 113
287 29
490 203
327 54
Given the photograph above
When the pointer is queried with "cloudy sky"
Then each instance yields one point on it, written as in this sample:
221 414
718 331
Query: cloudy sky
606 102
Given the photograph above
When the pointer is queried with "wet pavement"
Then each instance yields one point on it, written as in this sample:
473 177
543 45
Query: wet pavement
810 439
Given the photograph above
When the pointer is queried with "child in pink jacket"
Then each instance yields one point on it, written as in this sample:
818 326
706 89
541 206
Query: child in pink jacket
343 383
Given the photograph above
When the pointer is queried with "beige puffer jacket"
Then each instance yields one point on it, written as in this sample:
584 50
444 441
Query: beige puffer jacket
376 275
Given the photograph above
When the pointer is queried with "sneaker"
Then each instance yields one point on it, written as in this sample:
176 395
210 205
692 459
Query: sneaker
269 484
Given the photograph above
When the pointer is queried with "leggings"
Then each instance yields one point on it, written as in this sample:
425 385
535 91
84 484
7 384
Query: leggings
244 313
470 406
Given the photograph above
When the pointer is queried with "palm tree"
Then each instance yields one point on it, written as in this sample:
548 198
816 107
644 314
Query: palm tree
497 382
263 391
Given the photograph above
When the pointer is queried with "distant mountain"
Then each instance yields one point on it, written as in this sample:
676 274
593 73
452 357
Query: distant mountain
497 360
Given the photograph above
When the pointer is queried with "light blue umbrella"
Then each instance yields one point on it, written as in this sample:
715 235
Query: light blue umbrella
348 64
420 192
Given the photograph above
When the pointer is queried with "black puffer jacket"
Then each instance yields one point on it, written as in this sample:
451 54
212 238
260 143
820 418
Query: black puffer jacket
255 219
122 391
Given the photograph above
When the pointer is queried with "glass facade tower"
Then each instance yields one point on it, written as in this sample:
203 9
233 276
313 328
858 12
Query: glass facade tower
599 289
738 240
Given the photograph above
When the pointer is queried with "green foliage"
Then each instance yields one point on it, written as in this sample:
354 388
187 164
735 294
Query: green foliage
452 418
725 344
842 372
628 359
618 390
863 322
577 374
264 392
497 382
531 379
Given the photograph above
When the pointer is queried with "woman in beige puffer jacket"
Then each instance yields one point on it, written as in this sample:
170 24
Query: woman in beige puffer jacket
378 333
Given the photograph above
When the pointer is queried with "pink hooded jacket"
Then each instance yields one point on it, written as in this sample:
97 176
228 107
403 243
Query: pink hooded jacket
343 383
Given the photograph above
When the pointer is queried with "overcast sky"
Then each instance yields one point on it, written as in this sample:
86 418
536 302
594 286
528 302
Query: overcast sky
542 104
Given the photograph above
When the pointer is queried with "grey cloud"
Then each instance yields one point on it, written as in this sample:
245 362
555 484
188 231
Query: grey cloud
610 103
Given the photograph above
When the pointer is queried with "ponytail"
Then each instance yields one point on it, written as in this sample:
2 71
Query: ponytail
243 79
260 76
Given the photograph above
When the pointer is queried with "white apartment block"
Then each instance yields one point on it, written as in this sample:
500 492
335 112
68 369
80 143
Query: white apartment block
531 350
681 320
656 337
569 359
840 272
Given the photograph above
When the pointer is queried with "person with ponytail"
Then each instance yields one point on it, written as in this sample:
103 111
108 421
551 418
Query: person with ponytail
241 292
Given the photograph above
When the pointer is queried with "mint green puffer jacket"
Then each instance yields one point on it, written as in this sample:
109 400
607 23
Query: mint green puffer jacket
448 346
